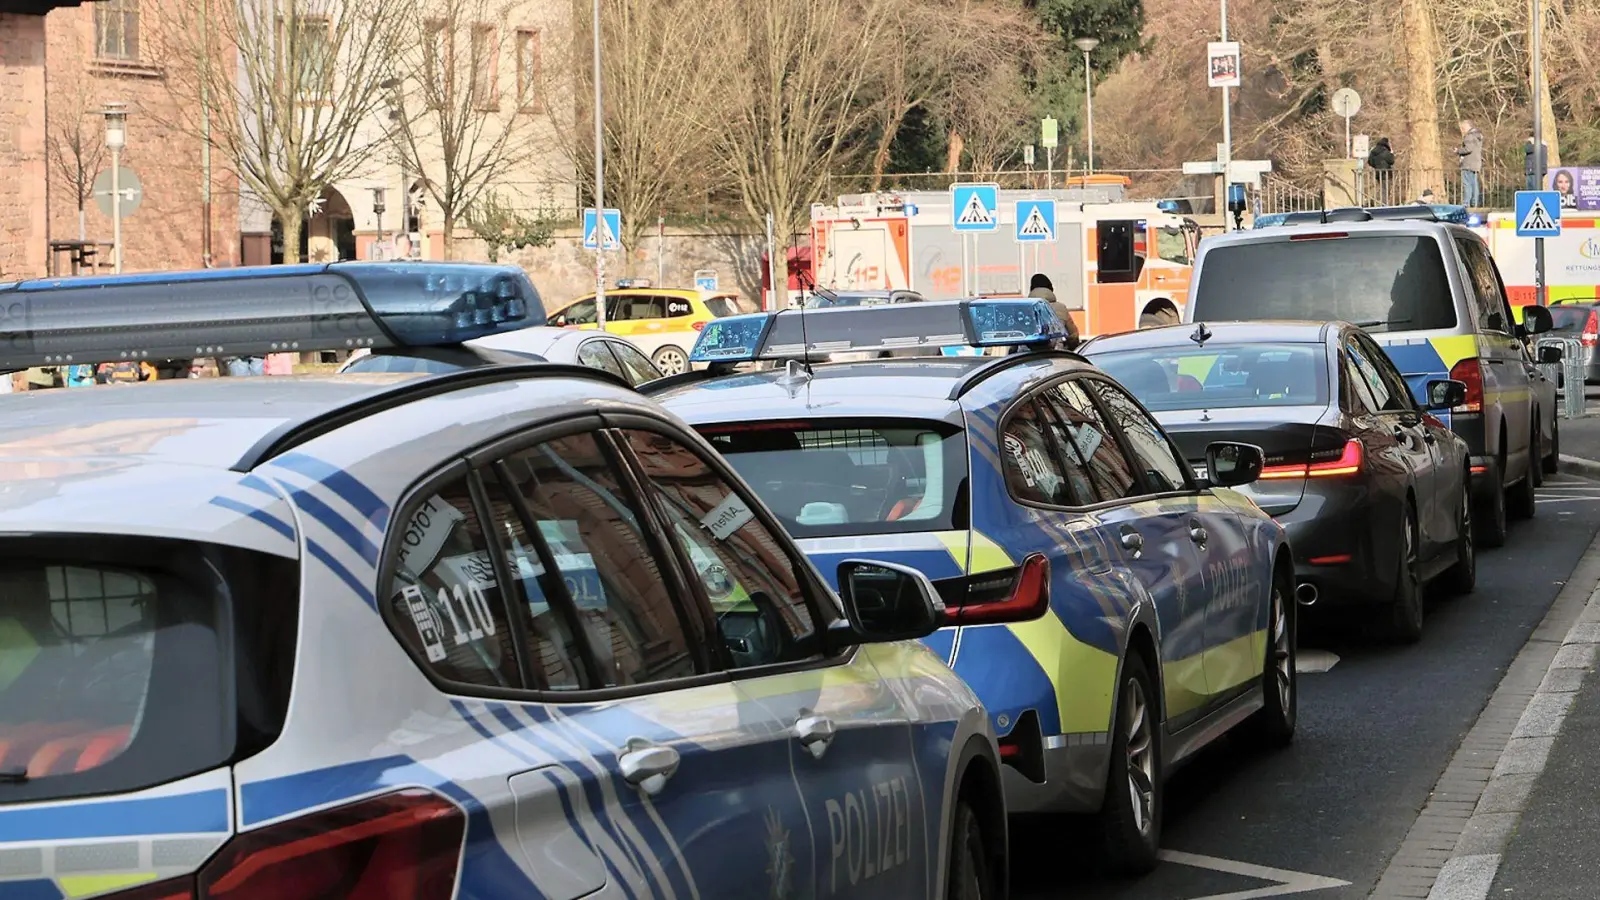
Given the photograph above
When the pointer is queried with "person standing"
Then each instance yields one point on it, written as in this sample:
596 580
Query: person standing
1471 154
1533 168
1381 161
1040 287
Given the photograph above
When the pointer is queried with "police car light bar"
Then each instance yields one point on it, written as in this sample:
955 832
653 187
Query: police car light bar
256 310
1434 212
852 329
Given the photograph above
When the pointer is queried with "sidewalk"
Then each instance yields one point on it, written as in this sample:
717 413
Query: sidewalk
1580 444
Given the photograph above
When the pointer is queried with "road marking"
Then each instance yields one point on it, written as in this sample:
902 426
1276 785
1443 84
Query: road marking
1314 661
1287 882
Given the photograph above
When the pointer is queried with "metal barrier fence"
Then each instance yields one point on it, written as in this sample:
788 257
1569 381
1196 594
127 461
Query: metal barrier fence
1568 374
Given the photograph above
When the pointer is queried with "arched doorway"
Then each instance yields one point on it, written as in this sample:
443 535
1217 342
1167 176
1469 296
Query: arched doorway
328 234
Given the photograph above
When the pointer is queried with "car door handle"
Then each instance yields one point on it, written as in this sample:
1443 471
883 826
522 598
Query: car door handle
815 733
1197 533
1133 540
648 766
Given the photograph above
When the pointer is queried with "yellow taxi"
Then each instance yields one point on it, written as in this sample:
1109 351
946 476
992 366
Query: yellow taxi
662 322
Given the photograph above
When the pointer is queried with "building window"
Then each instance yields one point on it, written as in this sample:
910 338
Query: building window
485 63
528 69
116 29
308 53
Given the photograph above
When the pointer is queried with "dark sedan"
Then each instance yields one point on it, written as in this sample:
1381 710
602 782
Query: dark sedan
1371 487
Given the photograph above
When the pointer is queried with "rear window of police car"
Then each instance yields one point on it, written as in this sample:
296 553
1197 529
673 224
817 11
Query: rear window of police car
128 662
1382 282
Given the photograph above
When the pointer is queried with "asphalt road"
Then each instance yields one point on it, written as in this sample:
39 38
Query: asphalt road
1375 732
1581 437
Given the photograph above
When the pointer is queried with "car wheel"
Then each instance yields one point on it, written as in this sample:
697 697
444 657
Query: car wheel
970 878
1536 457
670 360
1552 460
1462 577
1272 726
1406 612
1131 817
1490 516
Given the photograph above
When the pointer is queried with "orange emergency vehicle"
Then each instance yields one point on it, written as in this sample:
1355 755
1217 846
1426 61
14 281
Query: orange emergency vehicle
1118 265
1571 261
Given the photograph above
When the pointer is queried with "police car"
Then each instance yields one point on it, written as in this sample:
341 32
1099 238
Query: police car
1010 480
506 631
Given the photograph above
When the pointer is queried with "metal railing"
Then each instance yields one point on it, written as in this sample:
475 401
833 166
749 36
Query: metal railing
1144 184
1568 374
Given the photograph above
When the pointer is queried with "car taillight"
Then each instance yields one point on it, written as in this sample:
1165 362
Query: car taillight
1023 597
404 845
1345 460
1591 330
698 326
1470 373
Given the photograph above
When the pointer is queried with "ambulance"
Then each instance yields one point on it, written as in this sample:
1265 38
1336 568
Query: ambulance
1117 264
1571 261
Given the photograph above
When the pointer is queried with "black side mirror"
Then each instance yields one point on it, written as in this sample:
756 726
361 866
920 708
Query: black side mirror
1446 393
1230 464
885 602
1536 320
1549 354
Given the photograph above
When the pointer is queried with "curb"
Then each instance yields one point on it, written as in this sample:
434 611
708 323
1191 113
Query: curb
1453 849
1577 465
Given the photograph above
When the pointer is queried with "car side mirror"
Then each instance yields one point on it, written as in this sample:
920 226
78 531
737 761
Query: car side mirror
1446 393
885 602
1551 355
1230 464
1536 320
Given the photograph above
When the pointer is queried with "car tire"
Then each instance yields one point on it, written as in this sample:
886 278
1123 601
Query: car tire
970 878
670 360
1536 457
1552 461
1272 726
1462 577
1406 612
1130 819
1489 519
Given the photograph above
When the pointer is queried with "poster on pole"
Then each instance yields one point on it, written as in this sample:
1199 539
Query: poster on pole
1222 64
1579 186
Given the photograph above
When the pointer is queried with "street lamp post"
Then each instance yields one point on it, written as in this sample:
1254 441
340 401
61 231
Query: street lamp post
116 114
1087 45
599 185
1536 71
378 206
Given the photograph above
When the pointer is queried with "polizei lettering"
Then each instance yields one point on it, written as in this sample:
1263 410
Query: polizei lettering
869 831
1233 582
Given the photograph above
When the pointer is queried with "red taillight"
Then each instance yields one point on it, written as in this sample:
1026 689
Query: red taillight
1323 464
1591 330
1325 236
1029 598
399 846
698 326
1470 373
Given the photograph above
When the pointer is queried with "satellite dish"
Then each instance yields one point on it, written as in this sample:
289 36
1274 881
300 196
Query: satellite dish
1346 102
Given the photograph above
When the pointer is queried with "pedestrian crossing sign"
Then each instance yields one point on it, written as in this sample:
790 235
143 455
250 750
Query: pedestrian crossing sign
1036 221
1538 214
975 207
603 231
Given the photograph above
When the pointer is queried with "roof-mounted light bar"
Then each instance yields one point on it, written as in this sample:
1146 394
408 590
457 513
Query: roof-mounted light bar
853 329
255 310
1434 212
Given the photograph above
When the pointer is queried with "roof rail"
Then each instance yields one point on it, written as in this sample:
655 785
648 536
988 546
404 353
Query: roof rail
980 374
289 435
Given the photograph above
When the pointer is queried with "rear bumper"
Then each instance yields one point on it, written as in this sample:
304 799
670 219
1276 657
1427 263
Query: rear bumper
1331 534
1075 777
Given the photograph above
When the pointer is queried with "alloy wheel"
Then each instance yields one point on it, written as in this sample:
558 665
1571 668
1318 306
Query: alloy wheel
1141 754
671 361
1282 658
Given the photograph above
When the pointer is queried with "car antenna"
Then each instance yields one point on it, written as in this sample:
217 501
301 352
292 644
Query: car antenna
805 337
1201 334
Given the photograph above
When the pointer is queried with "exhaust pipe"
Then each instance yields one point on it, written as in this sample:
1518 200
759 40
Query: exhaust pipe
1306 593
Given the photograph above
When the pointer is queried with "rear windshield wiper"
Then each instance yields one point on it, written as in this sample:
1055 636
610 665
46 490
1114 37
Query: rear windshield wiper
1377 322
13 775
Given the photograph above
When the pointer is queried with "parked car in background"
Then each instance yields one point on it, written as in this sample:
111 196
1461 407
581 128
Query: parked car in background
1578 318
539 343
1372 487
662 322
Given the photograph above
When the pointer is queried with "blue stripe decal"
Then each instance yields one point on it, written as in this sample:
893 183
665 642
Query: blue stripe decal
337 568
257 483
337 524
201 812
347 486
567 810
32 889
274 798
260 515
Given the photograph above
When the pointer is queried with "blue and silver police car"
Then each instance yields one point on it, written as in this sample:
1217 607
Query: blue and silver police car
505 631
1007 479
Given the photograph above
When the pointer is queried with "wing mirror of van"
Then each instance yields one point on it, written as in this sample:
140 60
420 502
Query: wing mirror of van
1536 320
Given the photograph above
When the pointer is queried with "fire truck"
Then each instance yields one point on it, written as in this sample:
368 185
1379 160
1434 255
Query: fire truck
1117 264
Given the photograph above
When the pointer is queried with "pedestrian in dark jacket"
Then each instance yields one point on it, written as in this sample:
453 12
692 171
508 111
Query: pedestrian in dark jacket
1040 287
1381 161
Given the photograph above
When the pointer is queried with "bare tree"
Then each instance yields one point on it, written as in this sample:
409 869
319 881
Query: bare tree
465 71
797 74
294 88
74 145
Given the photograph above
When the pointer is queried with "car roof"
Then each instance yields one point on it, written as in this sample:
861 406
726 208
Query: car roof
539 339
1254 332
1374 227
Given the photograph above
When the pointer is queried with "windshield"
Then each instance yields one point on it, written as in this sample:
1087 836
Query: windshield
848 476
1380 282
1222 376
127 662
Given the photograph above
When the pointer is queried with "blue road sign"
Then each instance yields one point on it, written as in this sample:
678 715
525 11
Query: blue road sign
705 280
1036 221
613 230
1538 214
975 207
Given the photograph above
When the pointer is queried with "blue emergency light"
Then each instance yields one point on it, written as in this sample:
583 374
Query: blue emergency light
1433 212
256 310
803 334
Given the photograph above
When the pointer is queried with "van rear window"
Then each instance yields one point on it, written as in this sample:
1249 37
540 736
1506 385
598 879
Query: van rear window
1383 283
128 662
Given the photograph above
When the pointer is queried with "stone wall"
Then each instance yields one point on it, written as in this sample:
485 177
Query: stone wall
22 153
